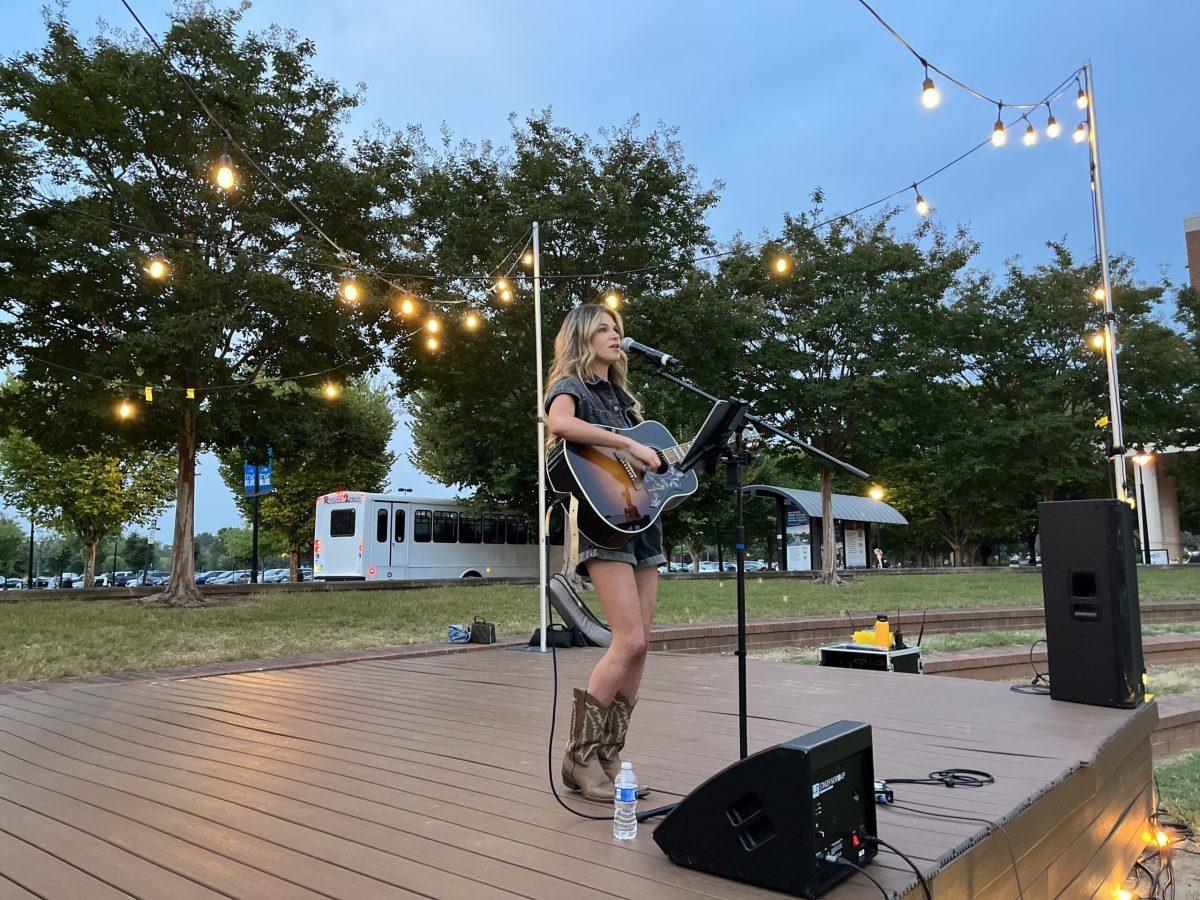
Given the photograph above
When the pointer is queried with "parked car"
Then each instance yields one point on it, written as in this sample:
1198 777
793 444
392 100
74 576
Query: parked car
306 573
707 566
275 576
219 576
153 578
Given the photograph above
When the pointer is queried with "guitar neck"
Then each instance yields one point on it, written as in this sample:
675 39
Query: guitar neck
674 455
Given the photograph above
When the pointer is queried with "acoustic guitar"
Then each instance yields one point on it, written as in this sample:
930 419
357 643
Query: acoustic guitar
618 497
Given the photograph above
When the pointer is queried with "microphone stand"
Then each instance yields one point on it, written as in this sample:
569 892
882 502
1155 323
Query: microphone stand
735 459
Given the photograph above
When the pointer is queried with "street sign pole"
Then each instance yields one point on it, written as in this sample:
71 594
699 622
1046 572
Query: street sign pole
254 534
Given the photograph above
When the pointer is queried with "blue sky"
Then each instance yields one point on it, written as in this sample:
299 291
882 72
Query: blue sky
776 98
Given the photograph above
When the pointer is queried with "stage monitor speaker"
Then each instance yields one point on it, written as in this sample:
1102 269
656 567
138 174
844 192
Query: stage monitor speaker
777 818
1089 584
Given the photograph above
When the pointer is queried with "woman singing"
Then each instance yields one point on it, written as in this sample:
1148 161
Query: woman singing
585 397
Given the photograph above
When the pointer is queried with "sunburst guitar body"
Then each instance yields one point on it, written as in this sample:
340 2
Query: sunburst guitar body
618 497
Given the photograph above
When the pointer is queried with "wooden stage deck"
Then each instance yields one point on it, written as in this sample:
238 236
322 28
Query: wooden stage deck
428 777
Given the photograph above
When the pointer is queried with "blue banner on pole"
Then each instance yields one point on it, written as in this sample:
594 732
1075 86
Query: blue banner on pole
264 479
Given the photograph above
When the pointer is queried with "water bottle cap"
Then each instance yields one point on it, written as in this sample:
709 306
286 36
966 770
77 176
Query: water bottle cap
626 765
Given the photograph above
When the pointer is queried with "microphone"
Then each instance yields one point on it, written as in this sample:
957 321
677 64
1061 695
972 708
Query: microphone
663 360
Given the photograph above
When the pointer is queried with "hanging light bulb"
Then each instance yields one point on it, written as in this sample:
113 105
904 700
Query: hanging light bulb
1098 340
612 300
1030 134
999 135
471 320
929 92
1080 133
407 306
527 259
331 390
1053 129
875 492
432 343
158 268
432 325
922 204
782 264
125 410
502 285
226 175
1081 99
506 295
1098 293
349 290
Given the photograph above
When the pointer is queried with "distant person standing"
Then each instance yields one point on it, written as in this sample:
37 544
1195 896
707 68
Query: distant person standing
878 558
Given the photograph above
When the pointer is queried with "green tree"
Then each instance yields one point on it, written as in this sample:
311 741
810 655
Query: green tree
14 558
850 338
621 201
106 151
88 495
346 449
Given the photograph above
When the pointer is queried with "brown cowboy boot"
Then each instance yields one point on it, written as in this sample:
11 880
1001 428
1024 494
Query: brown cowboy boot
615 730
581 769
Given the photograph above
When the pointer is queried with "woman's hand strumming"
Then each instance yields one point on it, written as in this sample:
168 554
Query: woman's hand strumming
647 456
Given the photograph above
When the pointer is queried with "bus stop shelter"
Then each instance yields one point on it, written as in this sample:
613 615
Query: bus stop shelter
799 526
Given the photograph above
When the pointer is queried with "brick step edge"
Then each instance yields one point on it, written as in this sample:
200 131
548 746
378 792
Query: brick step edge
1000 663
813 631
1178 724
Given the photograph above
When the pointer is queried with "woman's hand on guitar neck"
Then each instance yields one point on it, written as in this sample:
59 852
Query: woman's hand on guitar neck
647 456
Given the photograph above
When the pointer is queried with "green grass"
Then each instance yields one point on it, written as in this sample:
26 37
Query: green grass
51 639
1180 786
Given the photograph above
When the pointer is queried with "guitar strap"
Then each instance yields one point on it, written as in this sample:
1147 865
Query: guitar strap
570 542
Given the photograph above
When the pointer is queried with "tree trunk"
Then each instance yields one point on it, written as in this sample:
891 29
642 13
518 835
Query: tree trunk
294 567
89 573
694 552
829 573
182 589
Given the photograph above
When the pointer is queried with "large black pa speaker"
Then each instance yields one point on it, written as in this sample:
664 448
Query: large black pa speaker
1089 584
775 818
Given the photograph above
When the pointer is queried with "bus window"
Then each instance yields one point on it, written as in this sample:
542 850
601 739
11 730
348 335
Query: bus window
516 530
399 537
341 523
381 524
422 525
493 529
470 529
445 527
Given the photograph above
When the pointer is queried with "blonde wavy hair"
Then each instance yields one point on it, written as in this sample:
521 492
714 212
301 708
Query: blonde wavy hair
573 353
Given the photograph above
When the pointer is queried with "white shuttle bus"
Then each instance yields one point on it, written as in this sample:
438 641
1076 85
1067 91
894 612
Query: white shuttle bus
372 537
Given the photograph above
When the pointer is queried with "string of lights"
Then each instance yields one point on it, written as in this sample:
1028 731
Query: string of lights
352 291
930 95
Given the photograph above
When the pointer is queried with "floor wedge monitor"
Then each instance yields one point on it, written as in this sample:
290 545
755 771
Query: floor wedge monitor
782 818
1089 585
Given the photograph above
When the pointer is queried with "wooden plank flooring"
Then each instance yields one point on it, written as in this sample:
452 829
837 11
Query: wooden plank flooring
427 777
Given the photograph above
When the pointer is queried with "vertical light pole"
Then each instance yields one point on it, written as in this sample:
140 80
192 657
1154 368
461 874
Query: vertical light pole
29 583
543 546
1110 324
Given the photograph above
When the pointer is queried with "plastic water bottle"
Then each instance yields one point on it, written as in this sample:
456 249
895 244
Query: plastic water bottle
625 804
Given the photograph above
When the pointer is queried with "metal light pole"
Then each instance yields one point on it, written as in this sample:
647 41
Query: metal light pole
29 583
1110 324
543 545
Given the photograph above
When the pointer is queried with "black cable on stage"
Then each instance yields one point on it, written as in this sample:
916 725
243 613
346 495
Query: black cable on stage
861 871
951 778
1041 680
995 826
553 719
912 865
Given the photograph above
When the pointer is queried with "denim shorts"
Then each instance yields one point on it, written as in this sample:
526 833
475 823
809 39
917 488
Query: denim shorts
643 552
